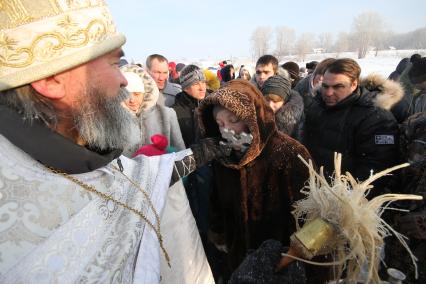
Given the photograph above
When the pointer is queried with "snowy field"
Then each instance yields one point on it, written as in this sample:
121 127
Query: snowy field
384 63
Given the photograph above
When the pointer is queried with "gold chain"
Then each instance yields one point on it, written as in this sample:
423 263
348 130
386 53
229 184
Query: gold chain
92 189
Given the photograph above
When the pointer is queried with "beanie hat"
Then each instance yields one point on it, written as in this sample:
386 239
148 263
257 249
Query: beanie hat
277 85
134 82
190 75
417 73
45 37
292 68
179 67
158 146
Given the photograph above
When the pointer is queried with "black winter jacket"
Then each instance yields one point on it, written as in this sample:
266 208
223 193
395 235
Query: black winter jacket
185 107
366 135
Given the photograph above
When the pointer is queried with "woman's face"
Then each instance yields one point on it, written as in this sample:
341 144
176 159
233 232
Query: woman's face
245 75
227 119
134 102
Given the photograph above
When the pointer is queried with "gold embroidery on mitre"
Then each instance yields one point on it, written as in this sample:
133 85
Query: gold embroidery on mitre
49 45
16 12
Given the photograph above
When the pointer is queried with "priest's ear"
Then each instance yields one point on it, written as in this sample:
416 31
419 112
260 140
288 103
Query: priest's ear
52 87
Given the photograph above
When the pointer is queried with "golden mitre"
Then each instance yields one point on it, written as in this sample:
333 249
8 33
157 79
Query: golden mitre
39 38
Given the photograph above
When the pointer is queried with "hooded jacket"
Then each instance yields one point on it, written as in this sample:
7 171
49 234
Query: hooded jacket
252 198
360 127
154 118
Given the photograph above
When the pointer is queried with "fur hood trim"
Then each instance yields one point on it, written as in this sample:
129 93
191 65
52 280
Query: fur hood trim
388 92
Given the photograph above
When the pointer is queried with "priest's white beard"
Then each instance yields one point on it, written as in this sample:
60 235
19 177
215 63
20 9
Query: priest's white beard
103 122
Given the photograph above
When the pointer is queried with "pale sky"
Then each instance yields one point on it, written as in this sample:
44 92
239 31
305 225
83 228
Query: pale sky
198 29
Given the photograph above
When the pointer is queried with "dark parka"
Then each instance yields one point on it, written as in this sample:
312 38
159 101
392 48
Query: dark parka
185 107
252 198
366 134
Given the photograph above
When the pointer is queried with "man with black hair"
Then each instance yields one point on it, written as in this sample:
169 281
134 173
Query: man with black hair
266 66
345 118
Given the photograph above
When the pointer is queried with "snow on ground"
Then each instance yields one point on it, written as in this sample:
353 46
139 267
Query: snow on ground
384 63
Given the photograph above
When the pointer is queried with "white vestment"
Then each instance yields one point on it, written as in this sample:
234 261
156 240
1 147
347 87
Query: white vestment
54 231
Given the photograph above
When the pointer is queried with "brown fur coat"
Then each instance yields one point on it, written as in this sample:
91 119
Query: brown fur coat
252 198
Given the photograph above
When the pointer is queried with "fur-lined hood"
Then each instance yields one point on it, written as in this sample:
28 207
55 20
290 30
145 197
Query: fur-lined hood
151 94
384 93
248 104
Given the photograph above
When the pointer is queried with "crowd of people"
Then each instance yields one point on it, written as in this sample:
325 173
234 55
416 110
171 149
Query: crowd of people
91 147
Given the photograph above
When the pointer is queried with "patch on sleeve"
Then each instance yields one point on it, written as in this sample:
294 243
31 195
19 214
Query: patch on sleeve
384 139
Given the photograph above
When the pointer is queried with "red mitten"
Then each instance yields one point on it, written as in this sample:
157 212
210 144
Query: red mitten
158 146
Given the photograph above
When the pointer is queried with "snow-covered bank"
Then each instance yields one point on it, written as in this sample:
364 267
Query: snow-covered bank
384 63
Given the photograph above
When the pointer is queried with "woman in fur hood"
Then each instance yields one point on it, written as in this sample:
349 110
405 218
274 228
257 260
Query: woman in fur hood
256 185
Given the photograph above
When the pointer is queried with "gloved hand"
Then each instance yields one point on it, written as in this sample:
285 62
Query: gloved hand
259 267
208 149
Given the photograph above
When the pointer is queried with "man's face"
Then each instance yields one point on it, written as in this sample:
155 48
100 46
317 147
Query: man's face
134 102
95 92
159 72
197 90
263 72
102 73
336 87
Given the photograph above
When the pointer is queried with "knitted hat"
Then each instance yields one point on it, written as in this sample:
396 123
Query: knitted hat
190 75
134 82
277 85
158 146
292 68
179 67
417 73
44 37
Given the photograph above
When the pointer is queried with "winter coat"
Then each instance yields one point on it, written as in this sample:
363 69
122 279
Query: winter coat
394 76
304 87
357 127
168 94
154 118
252 198
403 109
413 138
289 118
185 107
419 103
